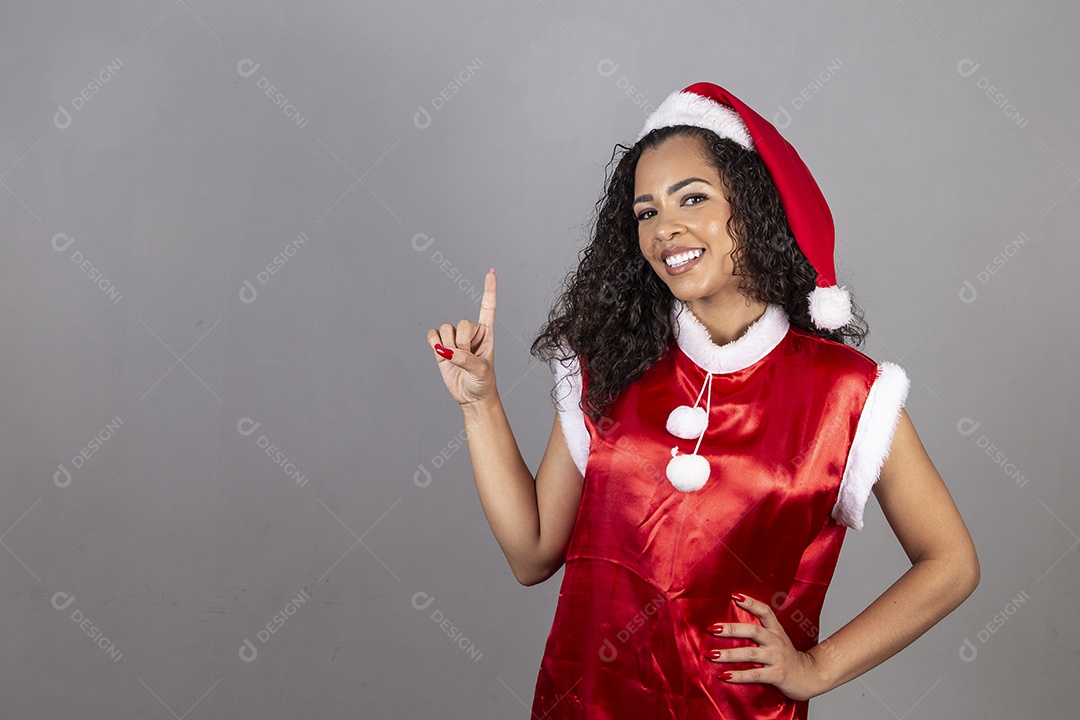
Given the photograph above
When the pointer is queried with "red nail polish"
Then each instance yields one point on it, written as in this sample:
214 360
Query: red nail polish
714 654
726 675
444 352
738 597
716 628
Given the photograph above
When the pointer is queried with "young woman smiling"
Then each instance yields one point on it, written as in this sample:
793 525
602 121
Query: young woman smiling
715 436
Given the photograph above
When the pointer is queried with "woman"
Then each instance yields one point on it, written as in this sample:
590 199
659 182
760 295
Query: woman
714 439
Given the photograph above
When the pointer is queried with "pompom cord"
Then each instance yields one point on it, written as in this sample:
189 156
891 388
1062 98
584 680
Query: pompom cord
689 422
689 473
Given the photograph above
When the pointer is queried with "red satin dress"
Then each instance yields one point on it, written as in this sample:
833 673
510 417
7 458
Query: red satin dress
795 438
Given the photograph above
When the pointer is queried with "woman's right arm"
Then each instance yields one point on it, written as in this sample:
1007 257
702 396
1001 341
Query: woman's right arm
532 518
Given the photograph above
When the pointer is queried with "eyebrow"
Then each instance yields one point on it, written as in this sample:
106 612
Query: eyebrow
682 183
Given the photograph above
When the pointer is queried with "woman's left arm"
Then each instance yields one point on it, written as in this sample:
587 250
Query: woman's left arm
944 566
944 572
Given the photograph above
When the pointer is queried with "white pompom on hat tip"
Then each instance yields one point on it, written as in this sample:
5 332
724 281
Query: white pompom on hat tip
830 307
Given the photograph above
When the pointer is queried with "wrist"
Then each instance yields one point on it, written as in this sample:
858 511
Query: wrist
482 407
822 668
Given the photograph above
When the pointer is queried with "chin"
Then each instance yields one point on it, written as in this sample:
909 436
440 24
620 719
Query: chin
685 291
684 296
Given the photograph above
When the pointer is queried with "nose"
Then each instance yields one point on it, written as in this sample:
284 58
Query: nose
666 228
667 221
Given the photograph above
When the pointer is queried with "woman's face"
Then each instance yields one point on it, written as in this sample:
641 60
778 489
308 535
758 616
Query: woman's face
682 213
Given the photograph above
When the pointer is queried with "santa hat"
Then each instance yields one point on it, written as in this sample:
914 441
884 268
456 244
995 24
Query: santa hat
712 107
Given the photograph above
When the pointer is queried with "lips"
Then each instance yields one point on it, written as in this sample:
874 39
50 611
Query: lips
676 251
686 266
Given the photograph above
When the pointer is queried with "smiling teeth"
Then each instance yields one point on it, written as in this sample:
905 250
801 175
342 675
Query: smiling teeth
683 258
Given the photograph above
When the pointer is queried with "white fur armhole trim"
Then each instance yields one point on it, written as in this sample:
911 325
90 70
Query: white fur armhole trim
571 418
873 439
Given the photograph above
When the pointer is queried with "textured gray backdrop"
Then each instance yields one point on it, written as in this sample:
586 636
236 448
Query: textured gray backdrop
233 484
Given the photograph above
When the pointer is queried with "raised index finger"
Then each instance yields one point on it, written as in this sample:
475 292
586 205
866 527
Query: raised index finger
487 302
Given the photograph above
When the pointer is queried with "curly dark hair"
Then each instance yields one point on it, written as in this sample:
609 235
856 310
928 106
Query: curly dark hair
615 311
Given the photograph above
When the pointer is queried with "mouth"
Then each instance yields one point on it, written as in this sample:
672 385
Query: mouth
680 260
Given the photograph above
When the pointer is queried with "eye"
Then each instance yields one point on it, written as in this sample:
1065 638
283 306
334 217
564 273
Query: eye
642 216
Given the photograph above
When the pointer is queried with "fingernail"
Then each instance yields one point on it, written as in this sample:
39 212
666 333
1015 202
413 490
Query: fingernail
491 269
444 352
738 597
725 676
716 628
714 654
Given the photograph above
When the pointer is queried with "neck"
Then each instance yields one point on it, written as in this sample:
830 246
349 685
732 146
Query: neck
726 318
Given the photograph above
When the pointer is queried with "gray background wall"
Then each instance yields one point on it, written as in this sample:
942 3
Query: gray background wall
186 256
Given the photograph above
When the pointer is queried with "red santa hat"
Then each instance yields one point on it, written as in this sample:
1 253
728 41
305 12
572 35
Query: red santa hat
712 107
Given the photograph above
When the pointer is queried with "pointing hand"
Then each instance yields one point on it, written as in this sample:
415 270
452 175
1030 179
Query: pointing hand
465 355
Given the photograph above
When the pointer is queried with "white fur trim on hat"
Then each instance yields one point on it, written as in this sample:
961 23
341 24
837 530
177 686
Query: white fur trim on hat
830 307
872 442
687 108
571 418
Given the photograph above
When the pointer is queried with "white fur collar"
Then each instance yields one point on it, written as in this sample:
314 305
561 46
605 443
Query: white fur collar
760 338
